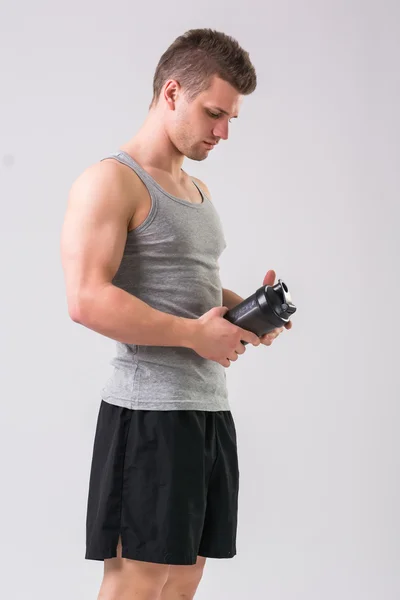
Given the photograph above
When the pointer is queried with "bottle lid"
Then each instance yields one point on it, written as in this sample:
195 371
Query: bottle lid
280 300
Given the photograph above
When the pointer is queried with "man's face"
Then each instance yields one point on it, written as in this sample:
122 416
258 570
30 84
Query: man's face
205 119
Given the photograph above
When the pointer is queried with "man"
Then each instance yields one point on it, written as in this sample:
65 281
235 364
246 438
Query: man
140 247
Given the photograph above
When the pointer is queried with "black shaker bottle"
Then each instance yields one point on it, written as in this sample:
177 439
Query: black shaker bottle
268 308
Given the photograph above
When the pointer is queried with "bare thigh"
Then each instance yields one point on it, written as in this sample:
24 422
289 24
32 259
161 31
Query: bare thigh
183 580
125 578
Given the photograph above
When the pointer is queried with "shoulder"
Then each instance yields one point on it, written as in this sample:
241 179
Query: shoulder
125 179
203 186
120 172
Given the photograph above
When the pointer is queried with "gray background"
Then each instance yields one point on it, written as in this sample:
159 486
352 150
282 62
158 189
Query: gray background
308 185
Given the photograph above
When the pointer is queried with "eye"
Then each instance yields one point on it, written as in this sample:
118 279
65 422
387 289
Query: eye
213 115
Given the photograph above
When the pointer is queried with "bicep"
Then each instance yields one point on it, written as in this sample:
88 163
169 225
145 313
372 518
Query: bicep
94 233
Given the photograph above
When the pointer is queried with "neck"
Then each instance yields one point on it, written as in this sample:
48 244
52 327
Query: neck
152 147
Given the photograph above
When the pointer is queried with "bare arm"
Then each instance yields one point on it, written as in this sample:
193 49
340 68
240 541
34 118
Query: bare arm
92 243
230 299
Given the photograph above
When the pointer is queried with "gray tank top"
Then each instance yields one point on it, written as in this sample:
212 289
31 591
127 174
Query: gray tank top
170 262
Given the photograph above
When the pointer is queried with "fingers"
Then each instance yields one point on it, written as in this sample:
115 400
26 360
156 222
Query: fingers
225 363
272 335
268 338
240 349
249 337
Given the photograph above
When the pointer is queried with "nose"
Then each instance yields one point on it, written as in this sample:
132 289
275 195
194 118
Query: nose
221 130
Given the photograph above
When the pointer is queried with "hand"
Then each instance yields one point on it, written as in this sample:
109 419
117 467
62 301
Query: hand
215 338
268 338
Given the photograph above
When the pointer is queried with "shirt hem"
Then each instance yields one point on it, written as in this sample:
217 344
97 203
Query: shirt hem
170 405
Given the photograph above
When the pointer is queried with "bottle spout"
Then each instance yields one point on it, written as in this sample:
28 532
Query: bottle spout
287 306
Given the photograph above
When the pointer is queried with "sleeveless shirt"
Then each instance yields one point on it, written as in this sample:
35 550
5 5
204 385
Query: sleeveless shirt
170 261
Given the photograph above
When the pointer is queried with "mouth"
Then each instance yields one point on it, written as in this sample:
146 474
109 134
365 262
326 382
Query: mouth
210 145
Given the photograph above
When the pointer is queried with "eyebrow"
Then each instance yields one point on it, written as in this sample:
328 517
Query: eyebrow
224 111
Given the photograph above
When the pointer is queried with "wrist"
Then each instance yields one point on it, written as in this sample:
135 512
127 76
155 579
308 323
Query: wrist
186 331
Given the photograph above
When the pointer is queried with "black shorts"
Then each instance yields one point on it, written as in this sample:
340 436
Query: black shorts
167 482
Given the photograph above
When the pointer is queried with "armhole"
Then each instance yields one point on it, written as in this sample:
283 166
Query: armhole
153 206
153 198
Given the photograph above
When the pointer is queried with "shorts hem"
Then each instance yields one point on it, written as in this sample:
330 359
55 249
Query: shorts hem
211 554
165 559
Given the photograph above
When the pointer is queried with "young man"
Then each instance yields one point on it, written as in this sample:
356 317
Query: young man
140 247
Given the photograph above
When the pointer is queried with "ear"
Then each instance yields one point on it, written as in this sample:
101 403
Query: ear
171 92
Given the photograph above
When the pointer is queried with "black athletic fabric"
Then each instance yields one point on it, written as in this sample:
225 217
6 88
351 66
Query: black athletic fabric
167 482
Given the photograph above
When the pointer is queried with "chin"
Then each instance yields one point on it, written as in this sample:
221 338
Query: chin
197 157
196 154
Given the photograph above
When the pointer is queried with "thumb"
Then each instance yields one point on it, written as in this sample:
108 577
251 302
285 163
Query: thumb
221 310
269 278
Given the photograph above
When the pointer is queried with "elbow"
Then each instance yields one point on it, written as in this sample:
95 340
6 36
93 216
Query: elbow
81 303
74 316
75 313
76 308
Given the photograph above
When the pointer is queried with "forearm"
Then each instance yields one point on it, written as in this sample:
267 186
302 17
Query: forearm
230 299
115 313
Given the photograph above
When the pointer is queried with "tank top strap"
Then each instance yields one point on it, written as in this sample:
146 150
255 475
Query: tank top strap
152 185
127 160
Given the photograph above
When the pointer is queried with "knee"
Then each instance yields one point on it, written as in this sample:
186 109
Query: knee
127 588
183 587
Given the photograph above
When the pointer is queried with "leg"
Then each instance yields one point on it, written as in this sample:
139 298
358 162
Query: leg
126 579
220 525
183 581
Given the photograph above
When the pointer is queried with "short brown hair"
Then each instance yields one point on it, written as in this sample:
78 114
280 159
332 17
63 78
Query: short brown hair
198 55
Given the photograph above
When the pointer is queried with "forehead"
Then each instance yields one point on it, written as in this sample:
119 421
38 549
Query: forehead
222 95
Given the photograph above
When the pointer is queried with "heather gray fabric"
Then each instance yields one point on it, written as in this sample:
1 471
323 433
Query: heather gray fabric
170 262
